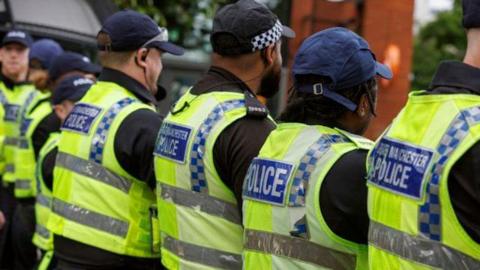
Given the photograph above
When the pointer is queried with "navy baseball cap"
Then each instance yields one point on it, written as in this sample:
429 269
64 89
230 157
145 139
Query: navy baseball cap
71 88
71 61
17 36
45 50
128 30
252 25
340 55
471 11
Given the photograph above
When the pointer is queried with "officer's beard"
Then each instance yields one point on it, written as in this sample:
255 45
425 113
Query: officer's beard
269 84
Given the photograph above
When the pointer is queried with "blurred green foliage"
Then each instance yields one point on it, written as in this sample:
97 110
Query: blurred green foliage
189 22
442 39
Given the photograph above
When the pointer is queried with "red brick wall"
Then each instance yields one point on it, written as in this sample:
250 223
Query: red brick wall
384 22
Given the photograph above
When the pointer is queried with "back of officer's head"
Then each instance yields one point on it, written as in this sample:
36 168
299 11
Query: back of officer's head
126 32
471 22
335 81
68 91
246 40
42 54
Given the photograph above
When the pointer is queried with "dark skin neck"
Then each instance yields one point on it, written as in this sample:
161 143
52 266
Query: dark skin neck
249 68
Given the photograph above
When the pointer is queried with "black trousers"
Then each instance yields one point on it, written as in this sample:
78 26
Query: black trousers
7 206
66 265
23 227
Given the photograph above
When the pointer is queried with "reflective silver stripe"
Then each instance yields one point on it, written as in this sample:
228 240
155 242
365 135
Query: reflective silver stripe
9 168
298 248
91 219
42 231
93 170
201 201
203 255
23 184
10 141
22 143
43 200
420 250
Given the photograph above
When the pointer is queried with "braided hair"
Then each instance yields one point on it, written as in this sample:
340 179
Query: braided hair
309 108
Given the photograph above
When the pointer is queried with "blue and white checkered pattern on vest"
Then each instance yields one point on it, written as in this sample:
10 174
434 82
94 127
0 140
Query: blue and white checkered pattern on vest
430 213
307 165
100 137
197 168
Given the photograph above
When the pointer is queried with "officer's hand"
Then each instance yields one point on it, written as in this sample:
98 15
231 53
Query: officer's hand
2 220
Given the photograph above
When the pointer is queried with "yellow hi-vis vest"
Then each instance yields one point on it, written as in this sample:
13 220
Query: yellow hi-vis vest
13 102
42 238
413 224
200 222
284 225
24 160
95 201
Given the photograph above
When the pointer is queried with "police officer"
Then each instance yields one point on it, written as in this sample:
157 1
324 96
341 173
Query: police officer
42 55
72 63
14 91
210 136
103 176
304 195
423 172
70 90
36 123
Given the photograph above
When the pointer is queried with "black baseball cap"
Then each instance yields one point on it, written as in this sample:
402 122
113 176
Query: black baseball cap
471 13
251 26
71 61
17 36
340 55
71 88
128 30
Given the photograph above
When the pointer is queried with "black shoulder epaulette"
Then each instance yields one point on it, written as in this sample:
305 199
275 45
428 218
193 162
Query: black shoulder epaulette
254 107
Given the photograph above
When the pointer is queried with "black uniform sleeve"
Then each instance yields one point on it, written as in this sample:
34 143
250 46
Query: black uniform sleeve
47 168
235 148
464 190
343 197
49 124
134 144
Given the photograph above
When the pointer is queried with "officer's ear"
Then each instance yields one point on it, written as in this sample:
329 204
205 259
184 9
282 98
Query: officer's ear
269 54
363 108
141 57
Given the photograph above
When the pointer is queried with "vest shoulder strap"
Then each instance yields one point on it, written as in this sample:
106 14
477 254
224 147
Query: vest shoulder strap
359 141
255 108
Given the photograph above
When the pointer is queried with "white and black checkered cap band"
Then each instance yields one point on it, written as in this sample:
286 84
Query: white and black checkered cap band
268 38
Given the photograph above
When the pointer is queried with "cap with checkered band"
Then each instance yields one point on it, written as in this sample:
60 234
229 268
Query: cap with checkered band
246 26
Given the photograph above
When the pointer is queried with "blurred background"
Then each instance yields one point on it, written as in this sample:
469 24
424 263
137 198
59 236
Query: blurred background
411 36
